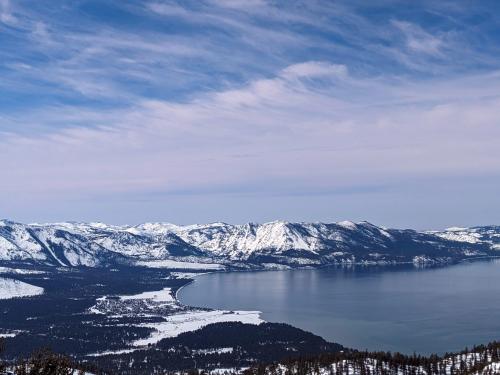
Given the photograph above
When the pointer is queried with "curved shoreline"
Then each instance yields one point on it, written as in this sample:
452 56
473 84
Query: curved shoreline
189 282
210 303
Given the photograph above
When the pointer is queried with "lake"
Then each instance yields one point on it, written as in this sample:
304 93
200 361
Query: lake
396 308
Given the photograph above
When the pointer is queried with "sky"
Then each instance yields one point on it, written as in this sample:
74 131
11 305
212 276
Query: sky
250 111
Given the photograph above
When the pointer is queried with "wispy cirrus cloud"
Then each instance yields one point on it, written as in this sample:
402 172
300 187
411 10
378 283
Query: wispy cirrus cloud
287 127
419 40
214 45
333 104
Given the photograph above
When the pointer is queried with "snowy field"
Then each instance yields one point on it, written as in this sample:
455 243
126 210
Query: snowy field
10 288
164 295
186 275
19 271
176 324
5 335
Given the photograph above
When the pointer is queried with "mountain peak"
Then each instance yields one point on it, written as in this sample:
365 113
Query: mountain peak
276 242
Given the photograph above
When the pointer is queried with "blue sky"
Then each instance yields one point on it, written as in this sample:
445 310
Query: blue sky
229 110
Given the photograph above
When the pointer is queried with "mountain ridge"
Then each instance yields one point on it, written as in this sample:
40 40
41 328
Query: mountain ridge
267 245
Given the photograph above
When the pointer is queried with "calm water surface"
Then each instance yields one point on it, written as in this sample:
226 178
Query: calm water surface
396 308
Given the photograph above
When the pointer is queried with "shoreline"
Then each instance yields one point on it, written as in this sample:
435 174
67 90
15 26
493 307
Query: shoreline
190 277
189 282
333 265
463 262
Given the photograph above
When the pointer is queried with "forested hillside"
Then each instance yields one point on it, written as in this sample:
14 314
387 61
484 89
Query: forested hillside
480 360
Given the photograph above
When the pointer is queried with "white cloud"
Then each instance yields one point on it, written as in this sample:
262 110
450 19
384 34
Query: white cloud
167 9
420 41
218 105
314 69
271 132
6 15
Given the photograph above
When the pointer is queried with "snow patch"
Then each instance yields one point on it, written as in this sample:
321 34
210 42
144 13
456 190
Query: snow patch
214 351
186 275
19 271
10 288
5 335
176 324
174 264
164 295
347 224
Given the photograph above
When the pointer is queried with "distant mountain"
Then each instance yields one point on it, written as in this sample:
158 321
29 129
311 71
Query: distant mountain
269 245
488 235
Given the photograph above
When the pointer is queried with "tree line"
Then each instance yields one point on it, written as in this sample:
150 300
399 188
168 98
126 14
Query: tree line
477 360
43 362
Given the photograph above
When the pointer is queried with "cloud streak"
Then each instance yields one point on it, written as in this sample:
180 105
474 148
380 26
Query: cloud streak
288 128
246 101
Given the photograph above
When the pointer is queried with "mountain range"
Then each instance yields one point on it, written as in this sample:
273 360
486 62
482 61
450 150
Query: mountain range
269 245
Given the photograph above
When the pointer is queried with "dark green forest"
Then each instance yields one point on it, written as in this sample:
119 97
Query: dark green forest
258 352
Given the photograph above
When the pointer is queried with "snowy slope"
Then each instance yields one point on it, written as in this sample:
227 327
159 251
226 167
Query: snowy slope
489 235
241 241
49 245
373 366
271 244
10 288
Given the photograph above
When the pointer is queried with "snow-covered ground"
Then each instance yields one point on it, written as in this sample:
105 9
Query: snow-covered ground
176 324
112 352
187 321
19 271
492 368
186 275
177 265
215 350
461 363
175 318
11 370
5 335
10 288
164 295
460 234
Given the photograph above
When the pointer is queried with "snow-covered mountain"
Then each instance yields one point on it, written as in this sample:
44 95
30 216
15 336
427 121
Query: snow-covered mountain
52 245
269 244
489 235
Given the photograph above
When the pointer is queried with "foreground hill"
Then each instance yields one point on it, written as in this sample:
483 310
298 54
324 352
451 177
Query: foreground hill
269 245
218 346
268 348
481 360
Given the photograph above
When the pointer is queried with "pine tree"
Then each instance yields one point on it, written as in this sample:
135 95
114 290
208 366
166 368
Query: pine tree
2 347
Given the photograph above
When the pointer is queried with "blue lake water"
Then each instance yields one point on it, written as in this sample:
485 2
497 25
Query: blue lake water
396 308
